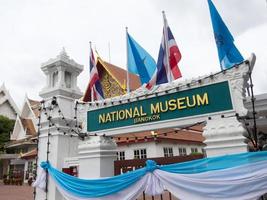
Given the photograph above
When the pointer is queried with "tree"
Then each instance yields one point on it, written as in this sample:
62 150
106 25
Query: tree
6 126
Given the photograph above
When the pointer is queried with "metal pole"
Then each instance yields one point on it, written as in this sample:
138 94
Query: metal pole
170 195
127 52
47 153
91 51
144 196
255 134
165 33
38 134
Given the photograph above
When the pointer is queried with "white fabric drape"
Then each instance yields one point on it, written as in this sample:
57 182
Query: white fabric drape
40 181
149 183
246 182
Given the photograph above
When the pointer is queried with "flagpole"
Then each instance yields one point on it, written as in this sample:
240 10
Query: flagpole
128 76
92 93
166 44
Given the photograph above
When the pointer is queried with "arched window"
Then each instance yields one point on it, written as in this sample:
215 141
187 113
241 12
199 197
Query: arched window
68 79
54 78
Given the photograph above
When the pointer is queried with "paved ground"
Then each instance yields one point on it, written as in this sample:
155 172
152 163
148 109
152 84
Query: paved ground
13 192
25 192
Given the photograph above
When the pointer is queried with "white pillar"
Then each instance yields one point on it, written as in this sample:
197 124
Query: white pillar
61 146
224 136
96 157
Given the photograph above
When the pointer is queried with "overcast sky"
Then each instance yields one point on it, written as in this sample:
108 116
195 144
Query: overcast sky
32 31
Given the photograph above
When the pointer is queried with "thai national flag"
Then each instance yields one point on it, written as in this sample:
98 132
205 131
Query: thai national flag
166 72
94 84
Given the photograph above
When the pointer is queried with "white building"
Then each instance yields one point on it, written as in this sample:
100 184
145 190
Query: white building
23 140
8 108
161 143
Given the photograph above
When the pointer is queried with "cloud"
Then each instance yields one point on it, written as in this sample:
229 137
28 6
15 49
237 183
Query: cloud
34 31
254 40
239 15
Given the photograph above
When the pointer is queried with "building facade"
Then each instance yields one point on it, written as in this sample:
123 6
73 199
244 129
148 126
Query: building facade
8 107
23 141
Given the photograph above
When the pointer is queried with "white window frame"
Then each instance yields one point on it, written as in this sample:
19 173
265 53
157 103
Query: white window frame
194 150
121 155
182 151
140 153
168 152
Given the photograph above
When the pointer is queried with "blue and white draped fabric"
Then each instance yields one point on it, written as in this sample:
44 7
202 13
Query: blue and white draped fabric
236 177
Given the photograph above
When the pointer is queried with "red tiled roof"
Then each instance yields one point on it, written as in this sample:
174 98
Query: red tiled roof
29 154
35 106
27 141
192 135
28 126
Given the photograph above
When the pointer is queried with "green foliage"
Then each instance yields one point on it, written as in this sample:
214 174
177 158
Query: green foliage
6 126
196 153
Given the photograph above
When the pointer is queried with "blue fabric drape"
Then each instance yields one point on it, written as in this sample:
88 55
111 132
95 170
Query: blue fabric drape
215 163
107 186
94 188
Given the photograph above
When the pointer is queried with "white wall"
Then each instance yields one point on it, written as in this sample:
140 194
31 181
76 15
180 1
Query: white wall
6 110
155 149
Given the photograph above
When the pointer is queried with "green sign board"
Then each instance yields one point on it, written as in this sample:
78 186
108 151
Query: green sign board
202 100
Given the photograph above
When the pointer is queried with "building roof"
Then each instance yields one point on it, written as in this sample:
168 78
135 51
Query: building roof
22 142
28 126
29 154
7 98
118 74
35 106
192 135
8 156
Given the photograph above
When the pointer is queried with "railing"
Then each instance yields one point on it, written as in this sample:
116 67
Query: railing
122 166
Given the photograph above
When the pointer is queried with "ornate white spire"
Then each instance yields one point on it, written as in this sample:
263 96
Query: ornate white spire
61 74
63 56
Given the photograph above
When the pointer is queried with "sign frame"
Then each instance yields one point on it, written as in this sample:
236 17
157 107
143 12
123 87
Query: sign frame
167 123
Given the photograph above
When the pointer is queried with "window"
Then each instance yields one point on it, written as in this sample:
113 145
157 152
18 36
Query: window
203 151
54 78
139 153
182 151
30 170
194 150
30 166
68 79
168 152
121 155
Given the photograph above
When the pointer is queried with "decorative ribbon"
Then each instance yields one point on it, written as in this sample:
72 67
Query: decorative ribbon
236 177
151 165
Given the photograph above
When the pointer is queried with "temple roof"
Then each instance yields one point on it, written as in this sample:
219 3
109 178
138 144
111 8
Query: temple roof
28 126
35 106
30 154
119 77
5 97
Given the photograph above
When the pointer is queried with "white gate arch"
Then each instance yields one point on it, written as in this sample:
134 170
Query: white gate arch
223 132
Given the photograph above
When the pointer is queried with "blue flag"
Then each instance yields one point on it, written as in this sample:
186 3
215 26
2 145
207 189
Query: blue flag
228 53
139 61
